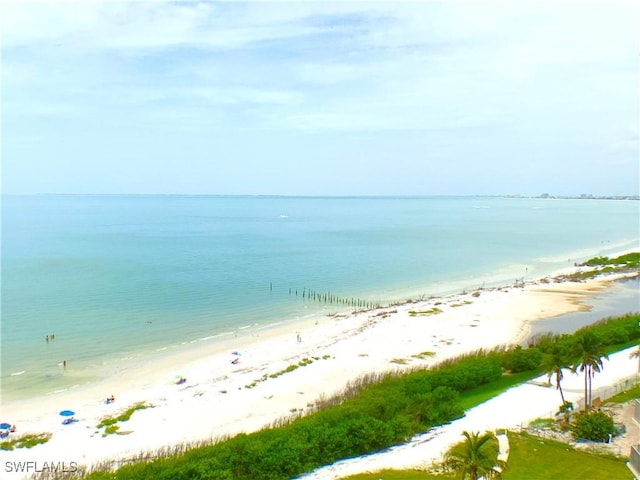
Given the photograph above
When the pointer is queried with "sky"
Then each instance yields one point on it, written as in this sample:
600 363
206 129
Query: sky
320 98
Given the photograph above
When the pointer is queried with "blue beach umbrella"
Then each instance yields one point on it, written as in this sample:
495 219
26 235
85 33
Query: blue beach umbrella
4 426
67 413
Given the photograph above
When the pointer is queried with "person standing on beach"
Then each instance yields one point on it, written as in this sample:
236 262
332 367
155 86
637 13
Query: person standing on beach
64 364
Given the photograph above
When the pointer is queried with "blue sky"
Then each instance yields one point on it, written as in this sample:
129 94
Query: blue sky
320 98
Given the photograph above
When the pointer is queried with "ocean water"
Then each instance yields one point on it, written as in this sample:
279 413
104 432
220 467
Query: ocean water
622 297
117 277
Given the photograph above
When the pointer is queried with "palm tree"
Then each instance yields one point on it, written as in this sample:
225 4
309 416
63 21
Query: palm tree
590 354
553 363
475 457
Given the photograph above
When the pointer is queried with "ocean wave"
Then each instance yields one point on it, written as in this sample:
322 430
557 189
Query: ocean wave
15 374
211 337
54 392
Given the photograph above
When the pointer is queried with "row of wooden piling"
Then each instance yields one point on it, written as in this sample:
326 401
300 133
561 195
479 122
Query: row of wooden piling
329 298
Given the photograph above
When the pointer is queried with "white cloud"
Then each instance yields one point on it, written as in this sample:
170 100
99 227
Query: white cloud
239 95
94 24
565 71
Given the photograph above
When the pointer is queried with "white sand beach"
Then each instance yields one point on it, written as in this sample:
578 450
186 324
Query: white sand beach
221 398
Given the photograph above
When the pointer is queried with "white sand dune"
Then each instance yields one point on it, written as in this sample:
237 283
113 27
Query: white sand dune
221 398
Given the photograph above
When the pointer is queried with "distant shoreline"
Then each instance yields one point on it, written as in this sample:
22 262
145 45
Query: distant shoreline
368 197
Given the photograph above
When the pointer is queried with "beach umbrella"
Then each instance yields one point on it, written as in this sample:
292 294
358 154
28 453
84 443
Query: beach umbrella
4 426
67 413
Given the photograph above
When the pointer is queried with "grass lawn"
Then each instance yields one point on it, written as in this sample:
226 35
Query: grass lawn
622 397
475 397
621 346
532 458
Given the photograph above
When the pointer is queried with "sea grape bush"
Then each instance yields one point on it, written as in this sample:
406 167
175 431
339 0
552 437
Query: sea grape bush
522 359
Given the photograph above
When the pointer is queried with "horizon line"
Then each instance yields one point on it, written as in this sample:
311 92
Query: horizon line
371 195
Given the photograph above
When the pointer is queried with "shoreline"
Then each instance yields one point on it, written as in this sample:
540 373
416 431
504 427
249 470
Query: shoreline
222 398
162 361
28 381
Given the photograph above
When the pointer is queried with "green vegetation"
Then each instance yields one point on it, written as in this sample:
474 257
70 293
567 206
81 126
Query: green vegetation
476 456
25 441
590 350
585 349
423 355
522 359
543 423
553 363
431 311
623 397
466 302
375 413
420 356
594 425
623 263
533 458
302 363
630 260
110 429
399 361
478 395
110 422
370 418
586 275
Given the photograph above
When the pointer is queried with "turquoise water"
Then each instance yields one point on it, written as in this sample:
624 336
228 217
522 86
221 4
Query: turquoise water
120 276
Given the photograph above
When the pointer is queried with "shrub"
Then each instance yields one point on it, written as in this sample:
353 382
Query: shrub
615 331
522 360
595 425
630 260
